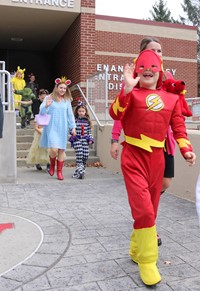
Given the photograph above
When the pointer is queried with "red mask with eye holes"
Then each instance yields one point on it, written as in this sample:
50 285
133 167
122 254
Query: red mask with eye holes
149 60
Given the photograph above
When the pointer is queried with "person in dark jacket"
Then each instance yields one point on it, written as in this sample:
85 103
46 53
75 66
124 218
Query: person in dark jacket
38 101
32 84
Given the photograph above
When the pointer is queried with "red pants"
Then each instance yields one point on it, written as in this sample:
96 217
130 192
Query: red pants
143 175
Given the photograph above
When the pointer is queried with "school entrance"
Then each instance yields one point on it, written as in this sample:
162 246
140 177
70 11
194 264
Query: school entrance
29 36
46 37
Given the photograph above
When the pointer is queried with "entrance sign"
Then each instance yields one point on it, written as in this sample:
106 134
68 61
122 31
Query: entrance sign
115 75
54 3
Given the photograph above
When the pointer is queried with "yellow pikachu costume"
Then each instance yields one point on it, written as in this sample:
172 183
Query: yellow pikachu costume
18 84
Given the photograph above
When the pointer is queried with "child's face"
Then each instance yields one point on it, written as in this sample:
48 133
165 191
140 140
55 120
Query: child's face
42 96
148 68
19 75
81 112
148 79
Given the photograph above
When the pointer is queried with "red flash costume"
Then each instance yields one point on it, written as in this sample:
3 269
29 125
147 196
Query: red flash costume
145 116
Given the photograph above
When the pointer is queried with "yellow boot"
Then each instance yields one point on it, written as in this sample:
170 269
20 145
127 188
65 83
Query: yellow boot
147 254
133 248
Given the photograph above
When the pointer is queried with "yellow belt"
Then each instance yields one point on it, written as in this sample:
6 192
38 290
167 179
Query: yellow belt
145 142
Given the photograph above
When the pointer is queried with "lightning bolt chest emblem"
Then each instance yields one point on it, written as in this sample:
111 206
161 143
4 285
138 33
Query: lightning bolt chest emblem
154 102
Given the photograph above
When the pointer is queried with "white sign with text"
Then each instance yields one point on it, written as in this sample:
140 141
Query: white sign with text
54 3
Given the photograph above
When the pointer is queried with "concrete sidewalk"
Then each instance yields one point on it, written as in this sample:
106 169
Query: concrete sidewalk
73 235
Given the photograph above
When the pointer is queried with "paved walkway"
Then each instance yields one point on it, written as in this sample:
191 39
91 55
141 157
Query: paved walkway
73 235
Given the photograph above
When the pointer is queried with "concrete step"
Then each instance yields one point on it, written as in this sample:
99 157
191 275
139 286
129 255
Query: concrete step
23 153
25 131
26 145
24 138
18 125
70 160
23 146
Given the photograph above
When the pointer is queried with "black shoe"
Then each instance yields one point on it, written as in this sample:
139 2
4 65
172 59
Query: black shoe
75 175
38 167
81 176
48 167
23 123
159 240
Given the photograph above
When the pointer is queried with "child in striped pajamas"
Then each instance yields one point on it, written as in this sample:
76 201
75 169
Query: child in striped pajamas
83 138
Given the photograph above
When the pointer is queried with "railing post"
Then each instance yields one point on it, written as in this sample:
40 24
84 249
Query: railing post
106 95
6 93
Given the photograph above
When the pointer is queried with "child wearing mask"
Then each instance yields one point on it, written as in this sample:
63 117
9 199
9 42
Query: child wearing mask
146 111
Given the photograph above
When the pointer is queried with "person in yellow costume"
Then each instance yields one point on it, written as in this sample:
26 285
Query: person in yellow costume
18 84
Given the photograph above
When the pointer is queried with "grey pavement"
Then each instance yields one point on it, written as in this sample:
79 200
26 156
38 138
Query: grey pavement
73 235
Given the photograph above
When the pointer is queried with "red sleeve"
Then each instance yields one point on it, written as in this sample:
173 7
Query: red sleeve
116 129
119 105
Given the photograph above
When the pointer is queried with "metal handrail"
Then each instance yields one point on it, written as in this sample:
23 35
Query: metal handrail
192 98
105 74
188 121
9 103
89 106
2 78
190 101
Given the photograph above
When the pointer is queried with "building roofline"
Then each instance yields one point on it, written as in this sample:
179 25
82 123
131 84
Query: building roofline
145 22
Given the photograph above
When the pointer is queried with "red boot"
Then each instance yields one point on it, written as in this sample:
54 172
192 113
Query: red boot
60 165
52 166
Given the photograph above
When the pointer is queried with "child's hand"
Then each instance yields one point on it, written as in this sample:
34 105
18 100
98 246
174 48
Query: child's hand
129 81
190 158
73 131
114 150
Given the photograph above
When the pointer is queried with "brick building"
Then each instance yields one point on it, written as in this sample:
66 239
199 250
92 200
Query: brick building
118 42
68 38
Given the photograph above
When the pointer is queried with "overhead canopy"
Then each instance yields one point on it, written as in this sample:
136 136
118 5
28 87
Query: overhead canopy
33 29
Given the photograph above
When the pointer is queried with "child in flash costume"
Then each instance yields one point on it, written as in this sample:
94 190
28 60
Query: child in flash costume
146 113
80 142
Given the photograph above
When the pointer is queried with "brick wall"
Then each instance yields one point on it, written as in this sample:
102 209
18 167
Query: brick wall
114 47
88 3
67 53
87 44
75 53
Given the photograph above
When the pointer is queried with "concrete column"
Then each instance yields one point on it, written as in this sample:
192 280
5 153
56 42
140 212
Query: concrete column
8 159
